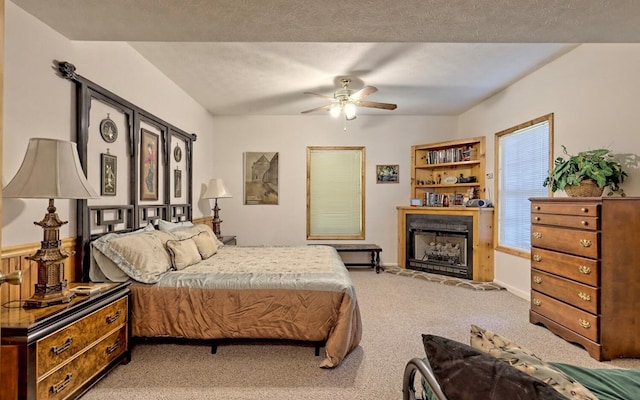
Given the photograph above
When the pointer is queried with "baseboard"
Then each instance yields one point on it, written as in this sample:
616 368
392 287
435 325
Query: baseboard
514 290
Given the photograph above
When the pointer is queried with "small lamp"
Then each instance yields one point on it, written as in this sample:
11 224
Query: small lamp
216 190
50 170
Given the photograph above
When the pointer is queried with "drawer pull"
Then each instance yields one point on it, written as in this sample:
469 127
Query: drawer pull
537 279
113 318
585 242
584 223
537 208
536 235
537 257
113 347
537 218
59 350
584 210
584 323
59 387
536 302
584 296
584 269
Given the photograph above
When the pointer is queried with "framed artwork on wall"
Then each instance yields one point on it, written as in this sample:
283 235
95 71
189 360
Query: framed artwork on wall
177 183
149 165
109 175
260 178
387 173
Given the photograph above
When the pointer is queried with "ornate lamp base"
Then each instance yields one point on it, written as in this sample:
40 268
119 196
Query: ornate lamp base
55 296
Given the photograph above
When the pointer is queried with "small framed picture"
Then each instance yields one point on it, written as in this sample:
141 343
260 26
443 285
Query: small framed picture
149 165
177 183
388 173
108 130
415 202
109 168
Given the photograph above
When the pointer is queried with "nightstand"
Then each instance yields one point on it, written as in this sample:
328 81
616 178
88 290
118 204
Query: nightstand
61 351
228 240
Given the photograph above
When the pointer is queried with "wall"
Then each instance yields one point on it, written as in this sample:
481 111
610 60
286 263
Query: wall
592 92
38 103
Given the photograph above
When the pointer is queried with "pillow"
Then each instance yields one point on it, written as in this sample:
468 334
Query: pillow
467 373
141 256
183 253
167 226
527 362
606 383
207 246
183 233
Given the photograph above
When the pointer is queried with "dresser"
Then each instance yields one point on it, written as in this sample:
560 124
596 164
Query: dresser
585 272
60 351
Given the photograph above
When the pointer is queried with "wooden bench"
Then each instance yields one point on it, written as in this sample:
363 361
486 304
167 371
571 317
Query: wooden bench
374 249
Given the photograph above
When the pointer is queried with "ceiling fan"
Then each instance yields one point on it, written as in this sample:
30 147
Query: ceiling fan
345 100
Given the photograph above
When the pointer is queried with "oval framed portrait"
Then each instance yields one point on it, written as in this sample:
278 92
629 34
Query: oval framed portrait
177 153
108 130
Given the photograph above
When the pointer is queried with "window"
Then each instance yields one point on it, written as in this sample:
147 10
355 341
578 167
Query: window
335 192
523 159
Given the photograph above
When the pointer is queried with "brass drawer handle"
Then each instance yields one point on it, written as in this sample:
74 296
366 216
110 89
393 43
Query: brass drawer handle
537 208
536 235
536 302
584 210
584 223
537 279
537 218
584 269
537 257
59 387
584 323
112 318
585 242
59 350
113 347
584 296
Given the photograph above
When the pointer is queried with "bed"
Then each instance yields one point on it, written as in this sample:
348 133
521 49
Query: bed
494 367
301 293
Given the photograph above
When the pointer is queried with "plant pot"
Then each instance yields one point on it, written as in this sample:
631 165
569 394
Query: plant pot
587 188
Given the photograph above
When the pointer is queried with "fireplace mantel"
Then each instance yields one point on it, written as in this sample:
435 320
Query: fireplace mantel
482 235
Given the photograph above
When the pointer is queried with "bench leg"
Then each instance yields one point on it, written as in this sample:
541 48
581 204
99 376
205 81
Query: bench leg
378 267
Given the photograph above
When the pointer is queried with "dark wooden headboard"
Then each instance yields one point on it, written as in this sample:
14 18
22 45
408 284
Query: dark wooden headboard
126 204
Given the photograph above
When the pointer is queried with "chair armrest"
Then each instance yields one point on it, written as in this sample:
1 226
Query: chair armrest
414 366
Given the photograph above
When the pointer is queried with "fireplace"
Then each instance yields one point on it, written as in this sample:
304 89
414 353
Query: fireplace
440 244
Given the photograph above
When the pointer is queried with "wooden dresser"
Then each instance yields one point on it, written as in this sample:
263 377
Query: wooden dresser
585 272
62 350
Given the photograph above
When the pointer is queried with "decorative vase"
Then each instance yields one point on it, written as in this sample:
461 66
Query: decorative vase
587 188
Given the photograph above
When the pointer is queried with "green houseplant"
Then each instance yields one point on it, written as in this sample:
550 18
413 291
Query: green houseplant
597 168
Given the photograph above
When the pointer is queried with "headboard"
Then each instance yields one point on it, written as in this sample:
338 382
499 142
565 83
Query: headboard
141 164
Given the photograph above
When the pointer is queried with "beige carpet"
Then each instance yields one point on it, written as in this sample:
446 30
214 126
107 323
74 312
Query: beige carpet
445 280
396 310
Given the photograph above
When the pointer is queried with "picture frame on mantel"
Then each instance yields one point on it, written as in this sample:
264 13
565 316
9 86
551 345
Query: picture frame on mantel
149 165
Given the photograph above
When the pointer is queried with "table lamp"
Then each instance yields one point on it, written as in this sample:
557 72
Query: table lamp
216 190
50 170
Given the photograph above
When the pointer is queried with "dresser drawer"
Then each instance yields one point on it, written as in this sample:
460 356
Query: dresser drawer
70 376
566 208
65 343
567 221
572 241
579 321
579 269
577 294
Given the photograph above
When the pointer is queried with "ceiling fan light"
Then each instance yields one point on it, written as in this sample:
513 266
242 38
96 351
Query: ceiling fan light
350 111
335 110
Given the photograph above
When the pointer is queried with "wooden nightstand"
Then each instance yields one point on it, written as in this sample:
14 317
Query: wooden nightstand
60 351
229 240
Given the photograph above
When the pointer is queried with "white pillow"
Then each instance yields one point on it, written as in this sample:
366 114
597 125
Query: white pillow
207 246
167 226
183 253
183 233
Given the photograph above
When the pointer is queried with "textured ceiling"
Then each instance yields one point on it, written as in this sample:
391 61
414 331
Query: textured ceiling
432 57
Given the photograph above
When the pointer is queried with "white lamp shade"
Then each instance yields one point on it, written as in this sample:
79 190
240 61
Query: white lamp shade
350 111
216 190
50 170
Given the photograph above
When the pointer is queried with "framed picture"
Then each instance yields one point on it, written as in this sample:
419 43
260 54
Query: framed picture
415 202
177 183
260 178
108 130
388 173
149 165
109 175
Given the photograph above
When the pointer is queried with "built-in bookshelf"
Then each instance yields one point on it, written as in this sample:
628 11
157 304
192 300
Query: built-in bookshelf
448 173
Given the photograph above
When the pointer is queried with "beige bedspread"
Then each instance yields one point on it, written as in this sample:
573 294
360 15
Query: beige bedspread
300 293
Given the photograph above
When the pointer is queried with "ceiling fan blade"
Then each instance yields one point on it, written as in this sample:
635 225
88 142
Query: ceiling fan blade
374 104
364 92
327 107
319 95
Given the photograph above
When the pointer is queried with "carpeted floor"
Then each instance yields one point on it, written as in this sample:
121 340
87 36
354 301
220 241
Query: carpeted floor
445 280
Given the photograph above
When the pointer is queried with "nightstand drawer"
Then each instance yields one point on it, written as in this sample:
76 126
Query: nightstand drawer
70 376
579 269
577 242
65 343
566 208
582 296
579 321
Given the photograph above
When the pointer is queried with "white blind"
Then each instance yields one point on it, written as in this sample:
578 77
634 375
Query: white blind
523 166
335 192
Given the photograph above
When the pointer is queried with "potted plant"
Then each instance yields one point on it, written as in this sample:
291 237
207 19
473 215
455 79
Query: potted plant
587 174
